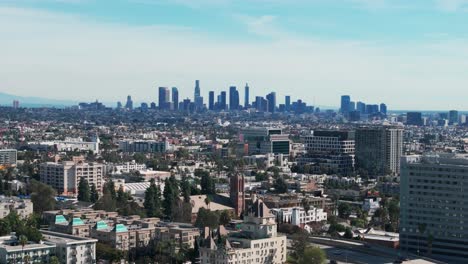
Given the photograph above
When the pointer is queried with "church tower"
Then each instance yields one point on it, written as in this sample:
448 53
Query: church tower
237 193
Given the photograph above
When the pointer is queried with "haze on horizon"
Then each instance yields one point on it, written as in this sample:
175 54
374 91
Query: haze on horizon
408 54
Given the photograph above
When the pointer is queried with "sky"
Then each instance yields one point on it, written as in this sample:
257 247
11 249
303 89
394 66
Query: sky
408 54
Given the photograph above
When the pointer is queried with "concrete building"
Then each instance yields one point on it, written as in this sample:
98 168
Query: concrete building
262 140
126 167
379 149
144 146
8 157
23 207
330 152
298 216
65 176
433 199
257 242
69 144
71 249
11 251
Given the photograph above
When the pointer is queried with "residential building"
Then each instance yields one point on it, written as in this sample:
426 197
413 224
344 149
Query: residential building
8 157
23 207
144 146
433 205
257 242
65 176
379 149
71 249
330 152
298 216
11 251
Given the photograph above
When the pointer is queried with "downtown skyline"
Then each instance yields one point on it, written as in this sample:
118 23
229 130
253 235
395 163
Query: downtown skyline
75 50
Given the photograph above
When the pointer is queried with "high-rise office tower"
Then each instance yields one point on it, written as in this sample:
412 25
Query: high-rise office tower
164 97
379 149
16 104
271 98
352 106
175 98
383 109
197 90
247 96
287 102
119 105
433 204
223 102
129 104
414 119
453 117
345 103
211 95
361 107
233 98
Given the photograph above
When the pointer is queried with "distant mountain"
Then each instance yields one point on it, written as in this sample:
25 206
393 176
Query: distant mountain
27 101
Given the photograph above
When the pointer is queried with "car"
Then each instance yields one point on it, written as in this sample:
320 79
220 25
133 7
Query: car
337 252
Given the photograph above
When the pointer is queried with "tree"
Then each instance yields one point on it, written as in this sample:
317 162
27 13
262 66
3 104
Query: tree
207 183
224 218
84 193
207 218
344 210
348 233
313 255
106 202
185 189
280 185
23 240
54 260
42 196
306 204
208 201
152 202
94 193
171 196
300 242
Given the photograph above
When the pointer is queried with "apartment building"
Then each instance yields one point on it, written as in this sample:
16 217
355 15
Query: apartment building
8 157
65 176
257 242
23 207
11 251
298 216
433 219
71 249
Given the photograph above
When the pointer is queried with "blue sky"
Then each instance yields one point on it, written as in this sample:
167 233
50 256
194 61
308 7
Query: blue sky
409 54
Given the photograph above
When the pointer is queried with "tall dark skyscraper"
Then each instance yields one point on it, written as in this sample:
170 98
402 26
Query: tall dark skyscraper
361 107
164 97
211 100
175 98
345 104
197 90
453 117
247 96
223 102
271 98
233 98
198 100
414 119
287 102
129 104
383 109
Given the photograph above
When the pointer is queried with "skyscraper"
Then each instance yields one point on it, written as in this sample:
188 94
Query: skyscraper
379 149
433 206
175 98
223 102
164 97
453 117
197 98
383 109
247 96
197 90
352 106
271 98
345 103
414 119
129 104
211 100
233 98
361 107
287 102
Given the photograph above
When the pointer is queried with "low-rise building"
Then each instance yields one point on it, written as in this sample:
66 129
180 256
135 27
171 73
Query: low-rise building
8 157
11 251
23 207
71 249
298 216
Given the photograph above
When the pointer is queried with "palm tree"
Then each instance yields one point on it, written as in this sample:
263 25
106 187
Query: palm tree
23 240
430 240
207 202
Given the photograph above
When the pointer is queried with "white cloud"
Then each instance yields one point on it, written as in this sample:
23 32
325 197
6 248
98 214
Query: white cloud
62 56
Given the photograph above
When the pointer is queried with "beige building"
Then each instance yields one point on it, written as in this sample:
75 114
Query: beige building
71 249
257 242
24 208
65 176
